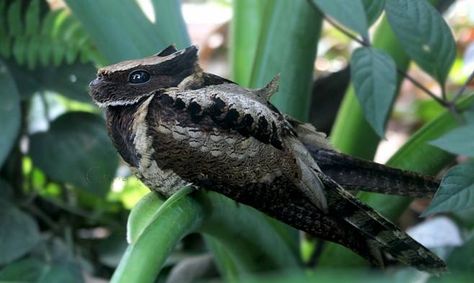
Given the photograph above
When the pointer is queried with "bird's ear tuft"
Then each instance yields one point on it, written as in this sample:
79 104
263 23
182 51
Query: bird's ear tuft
270 89
167 51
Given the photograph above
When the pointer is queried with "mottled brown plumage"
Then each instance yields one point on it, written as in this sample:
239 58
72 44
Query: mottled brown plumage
175 125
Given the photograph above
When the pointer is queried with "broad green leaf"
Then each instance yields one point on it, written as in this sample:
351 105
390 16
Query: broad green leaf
76 150
245 33
18 234
424 35
374 77
10 114
458 141
288 48
26 270
170 23
61 272
350 120
68 80
6 191
460 260
111 249
350 13
122 31
456 190
373 9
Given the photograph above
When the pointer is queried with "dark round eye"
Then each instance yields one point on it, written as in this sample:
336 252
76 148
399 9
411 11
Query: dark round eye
138 77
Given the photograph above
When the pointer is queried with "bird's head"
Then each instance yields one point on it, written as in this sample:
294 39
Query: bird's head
127 82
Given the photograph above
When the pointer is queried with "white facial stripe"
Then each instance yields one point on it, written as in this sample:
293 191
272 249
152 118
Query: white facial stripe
120 102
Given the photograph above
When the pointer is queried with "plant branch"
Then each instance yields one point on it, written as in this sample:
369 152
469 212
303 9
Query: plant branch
443 102
364 41
463 88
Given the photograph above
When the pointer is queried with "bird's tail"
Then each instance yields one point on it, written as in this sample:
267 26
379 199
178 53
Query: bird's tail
379 232
357 174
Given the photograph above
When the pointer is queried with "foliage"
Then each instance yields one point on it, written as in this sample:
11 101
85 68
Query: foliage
63 197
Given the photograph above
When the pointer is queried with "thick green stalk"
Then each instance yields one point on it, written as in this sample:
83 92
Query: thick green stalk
121 31
245 33
154 230
287 46
240 236
416 155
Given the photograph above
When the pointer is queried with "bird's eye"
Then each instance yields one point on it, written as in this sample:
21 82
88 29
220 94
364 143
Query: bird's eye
138 77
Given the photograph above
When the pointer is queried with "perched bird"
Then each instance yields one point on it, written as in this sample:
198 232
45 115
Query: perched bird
175 125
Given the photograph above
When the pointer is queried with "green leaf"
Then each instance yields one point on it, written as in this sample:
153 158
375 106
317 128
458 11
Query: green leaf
349 13
373 9
170 23
424 35
27 270
458 141
76 150
19 49
455 191
126 32
111 249
19 233
460 259
6 191
10 114
245 32
63 272
375 80
288 47
32 51
68 80
14 18
32 19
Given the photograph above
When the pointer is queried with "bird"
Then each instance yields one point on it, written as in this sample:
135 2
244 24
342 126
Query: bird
175 125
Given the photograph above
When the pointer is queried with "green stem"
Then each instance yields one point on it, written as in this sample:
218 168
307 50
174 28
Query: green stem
287 46
241 237
154 231
248 15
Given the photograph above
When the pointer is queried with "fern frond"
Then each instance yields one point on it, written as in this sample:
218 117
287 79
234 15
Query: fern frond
34 35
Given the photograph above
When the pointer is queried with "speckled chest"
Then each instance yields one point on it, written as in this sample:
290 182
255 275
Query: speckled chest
128 129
